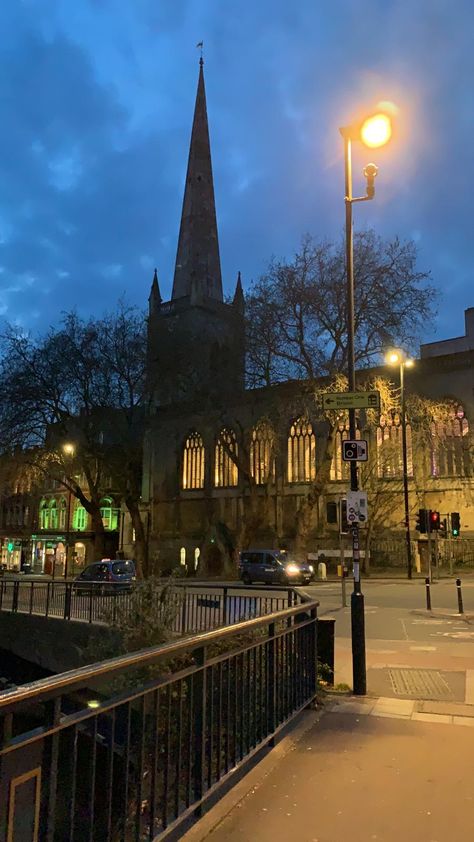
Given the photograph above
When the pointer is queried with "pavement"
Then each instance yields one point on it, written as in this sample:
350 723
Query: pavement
359 772
394 765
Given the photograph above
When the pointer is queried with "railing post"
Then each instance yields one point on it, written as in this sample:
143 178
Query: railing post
90 604
16 588
31 597
184 609
271 682
199 726
48 596
224 606
67 602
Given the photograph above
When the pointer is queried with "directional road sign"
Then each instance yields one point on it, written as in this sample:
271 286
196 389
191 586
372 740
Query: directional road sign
351 400
355 451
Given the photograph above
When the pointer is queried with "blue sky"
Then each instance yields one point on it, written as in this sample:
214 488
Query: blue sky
97 99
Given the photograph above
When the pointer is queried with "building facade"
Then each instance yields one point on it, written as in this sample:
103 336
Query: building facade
224 465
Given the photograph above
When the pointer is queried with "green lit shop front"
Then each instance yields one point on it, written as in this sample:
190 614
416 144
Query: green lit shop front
49 555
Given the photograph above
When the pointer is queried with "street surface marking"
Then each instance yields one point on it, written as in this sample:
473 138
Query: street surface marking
423 648
404 629
469 700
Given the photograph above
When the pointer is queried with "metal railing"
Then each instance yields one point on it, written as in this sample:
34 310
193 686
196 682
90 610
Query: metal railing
131 748
198 607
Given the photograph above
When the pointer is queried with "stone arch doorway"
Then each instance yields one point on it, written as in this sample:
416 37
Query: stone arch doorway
213 560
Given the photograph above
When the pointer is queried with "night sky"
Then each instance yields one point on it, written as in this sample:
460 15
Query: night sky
97 99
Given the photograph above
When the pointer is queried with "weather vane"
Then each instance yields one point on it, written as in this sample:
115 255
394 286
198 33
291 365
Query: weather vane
200 46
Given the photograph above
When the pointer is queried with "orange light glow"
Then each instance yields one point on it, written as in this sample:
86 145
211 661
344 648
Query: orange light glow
376 130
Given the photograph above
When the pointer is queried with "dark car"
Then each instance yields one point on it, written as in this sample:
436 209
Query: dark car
107 576
275 567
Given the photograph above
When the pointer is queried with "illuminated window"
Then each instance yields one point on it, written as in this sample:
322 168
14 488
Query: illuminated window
182 556
193 462
109 513
226 473
44 515
79 519
53 514
262 459
390 447
62 513
340 470
197 553
301 452
450 445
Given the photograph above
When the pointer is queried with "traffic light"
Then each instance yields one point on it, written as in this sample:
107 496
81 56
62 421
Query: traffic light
422 521
344 526
331 511
455 524
434 521
443 528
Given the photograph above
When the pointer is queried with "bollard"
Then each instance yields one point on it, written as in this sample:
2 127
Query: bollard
428 594
458 588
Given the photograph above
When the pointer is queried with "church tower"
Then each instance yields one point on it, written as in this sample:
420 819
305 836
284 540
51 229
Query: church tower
196 340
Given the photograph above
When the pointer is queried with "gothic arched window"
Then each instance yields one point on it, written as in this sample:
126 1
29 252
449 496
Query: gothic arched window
450 445
53 514
62 513
301 452
226 472
193 462
390 447
44 515
109 513
262 459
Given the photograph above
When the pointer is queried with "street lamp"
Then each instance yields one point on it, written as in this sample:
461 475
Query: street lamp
69 450
374 131
397 357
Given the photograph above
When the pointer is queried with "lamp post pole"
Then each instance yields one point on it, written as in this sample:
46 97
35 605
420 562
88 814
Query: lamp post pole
359 675
68 534
405 471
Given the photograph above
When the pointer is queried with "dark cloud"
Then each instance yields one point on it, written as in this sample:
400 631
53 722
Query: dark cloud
97 102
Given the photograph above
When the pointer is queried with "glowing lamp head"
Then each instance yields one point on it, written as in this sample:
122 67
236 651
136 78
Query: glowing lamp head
409 363
376 130
393 358
68 449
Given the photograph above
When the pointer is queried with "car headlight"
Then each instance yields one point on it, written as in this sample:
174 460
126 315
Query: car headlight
311 568
292 569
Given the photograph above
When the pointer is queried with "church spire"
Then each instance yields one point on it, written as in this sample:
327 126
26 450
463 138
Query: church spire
239 300
154 299
198 269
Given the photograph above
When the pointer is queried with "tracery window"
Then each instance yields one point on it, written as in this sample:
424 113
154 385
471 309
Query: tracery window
79 519
193 462
44 515
262 458
450 445
390 446
109 513
226 472
301 452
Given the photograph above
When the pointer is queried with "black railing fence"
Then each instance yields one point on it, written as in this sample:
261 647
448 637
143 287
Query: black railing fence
128 749
194 607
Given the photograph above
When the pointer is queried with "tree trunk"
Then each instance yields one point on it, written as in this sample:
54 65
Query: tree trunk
141 538
99 531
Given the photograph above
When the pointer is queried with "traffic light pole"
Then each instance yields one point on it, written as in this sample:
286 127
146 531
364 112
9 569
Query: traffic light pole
359 673
405 471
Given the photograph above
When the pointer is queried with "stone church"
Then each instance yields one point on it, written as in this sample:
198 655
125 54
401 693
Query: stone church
225 466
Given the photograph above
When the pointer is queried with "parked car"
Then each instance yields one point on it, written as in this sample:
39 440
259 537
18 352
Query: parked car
107 576
274 567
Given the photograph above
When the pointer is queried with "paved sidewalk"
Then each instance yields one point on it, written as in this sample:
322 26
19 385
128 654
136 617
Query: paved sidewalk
370 770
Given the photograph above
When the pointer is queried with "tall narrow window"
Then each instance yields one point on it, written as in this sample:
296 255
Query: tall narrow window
450 445
79 520
262 458
44 515
390 447
62 514
53 514
109 514
301 452
226 473
193 462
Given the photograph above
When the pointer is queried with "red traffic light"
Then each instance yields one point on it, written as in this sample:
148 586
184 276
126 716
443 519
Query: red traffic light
434 521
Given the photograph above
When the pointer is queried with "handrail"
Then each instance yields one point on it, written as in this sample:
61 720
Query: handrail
72 678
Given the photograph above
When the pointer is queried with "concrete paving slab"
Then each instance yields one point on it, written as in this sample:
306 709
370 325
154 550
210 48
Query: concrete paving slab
438 718
397 707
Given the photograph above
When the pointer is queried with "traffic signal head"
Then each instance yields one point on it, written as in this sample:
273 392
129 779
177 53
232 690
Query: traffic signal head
344 526
422 521
434 521
455 524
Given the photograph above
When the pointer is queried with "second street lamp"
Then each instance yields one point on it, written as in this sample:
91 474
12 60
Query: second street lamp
374 131
397 357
